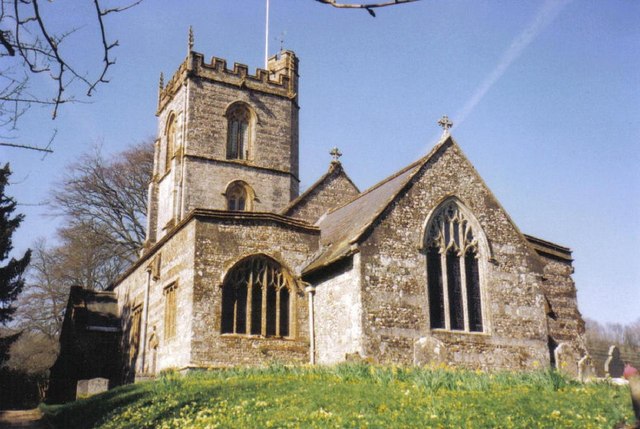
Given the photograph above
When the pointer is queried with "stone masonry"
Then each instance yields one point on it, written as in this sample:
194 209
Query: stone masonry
237 269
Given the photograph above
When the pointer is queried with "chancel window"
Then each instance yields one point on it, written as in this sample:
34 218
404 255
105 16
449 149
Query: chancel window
453 274
238 132
170 142
257 299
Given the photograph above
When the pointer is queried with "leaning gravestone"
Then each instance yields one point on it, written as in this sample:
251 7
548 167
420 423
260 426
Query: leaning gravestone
614 366
567 358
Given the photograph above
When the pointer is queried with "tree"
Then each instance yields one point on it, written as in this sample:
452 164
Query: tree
42 303
11 279
33 42
609 334
107 198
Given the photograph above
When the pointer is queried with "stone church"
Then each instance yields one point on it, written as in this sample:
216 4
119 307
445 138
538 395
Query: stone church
240 268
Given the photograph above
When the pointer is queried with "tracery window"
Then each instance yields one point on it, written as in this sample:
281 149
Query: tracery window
257 299
171 139
238 131
453 275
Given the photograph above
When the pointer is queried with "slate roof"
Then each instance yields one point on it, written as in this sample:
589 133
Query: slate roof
343 226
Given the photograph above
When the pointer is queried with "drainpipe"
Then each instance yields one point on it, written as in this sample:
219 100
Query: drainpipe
311 292
145 318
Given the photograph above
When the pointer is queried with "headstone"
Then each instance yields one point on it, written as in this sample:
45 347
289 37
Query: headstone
614 366
634 386
567 358
91 387
586 369
429 350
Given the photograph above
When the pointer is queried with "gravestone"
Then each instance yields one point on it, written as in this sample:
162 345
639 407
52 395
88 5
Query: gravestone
634 386
91 387
586 369
429 350
614 366
567 358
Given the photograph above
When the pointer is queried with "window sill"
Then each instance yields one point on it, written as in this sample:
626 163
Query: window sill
442 331
257 337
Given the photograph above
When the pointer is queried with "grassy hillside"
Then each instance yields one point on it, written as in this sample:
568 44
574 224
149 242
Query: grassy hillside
351 396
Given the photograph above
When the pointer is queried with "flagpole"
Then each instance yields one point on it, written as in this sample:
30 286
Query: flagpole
266 38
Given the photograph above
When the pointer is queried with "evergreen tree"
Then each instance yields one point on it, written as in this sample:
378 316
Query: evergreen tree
11 279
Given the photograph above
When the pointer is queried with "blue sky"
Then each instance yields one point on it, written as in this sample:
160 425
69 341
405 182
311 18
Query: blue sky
544 96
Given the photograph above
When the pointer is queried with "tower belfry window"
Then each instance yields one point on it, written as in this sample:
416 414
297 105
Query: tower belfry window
238 132
453 274
239 197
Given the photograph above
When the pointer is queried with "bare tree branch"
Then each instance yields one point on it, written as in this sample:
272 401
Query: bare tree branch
22 146
367 6
27 38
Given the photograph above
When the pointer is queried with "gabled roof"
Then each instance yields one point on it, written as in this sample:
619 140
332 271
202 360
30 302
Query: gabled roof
343 226
549 249
335 169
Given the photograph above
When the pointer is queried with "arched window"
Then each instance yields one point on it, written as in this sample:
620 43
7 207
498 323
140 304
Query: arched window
170 137
256 299
453 275
239 197
238 131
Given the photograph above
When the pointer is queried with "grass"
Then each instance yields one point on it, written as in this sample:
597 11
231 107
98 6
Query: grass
351 396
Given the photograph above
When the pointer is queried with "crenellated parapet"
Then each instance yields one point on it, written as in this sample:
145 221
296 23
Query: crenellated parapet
280 78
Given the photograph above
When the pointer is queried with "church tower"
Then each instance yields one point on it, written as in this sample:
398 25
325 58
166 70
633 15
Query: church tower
227 140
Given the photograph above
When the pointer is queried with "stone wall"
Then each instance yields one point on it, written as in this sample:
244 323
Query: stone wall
176 267
221 243
395 300
208 180
565 322
338 313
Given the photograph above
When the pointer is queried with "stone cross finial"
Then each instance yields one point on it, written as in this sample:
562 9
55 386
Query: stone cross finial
336 154
191 38
446 124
